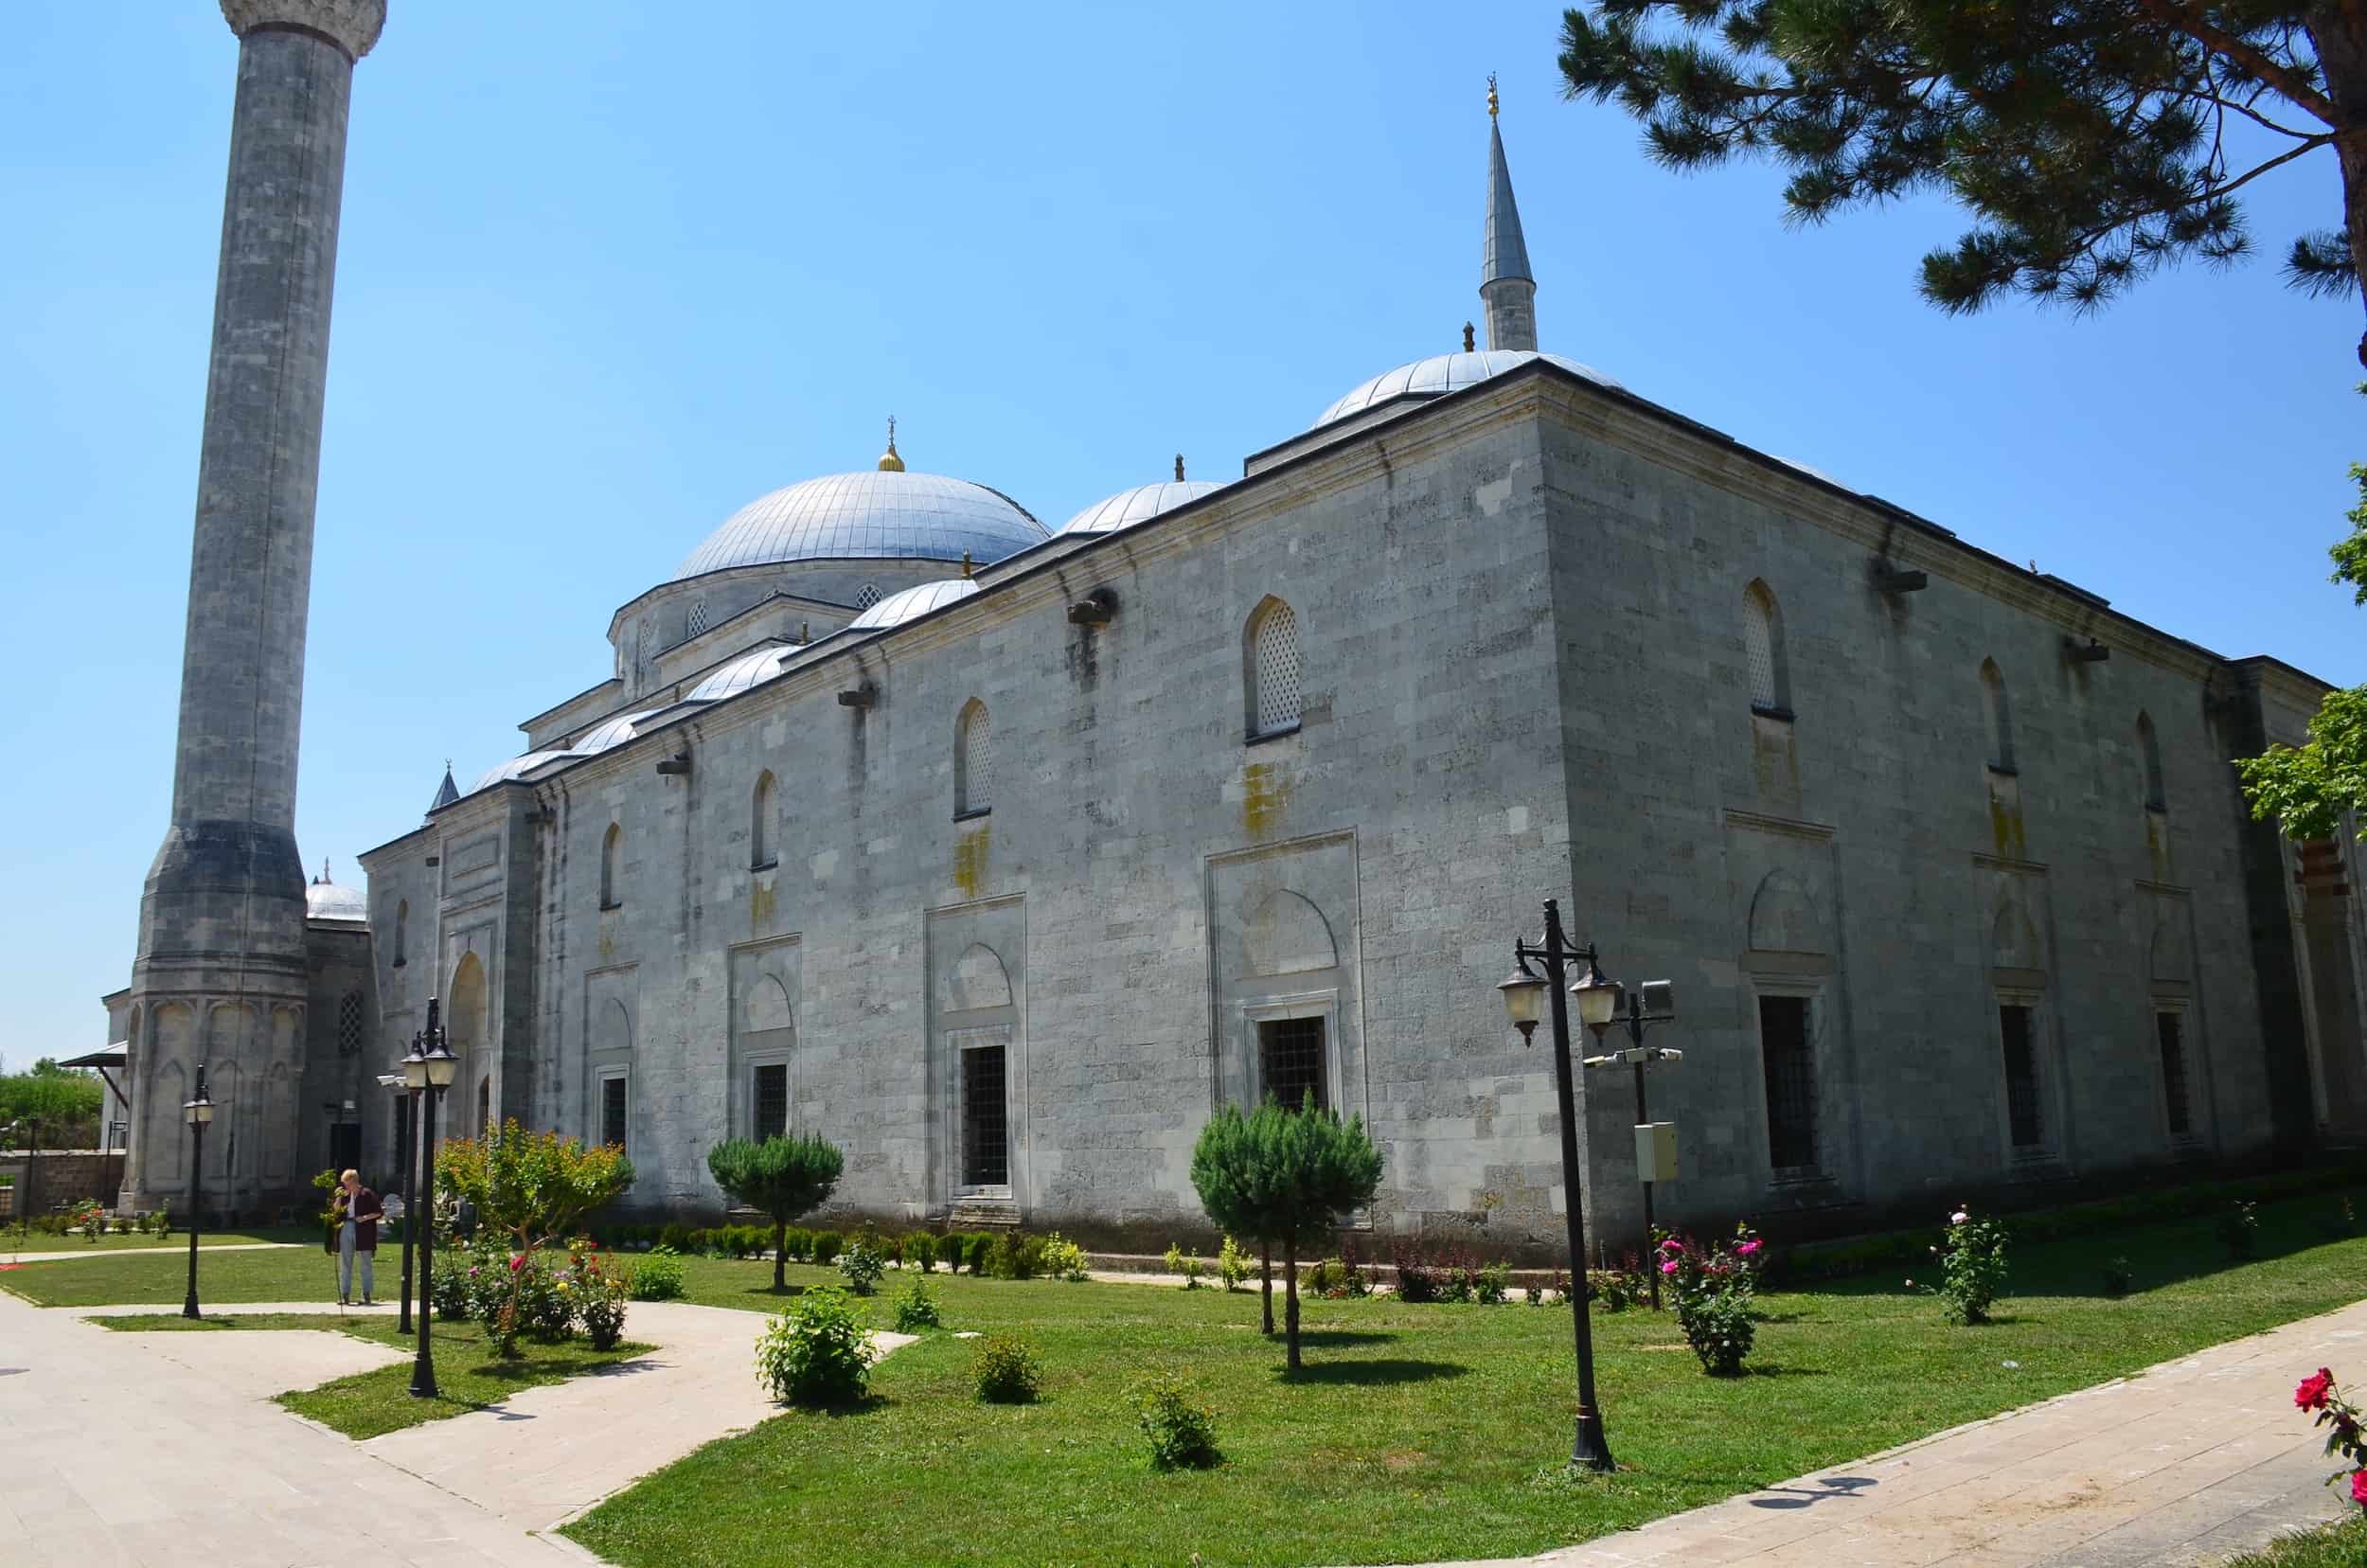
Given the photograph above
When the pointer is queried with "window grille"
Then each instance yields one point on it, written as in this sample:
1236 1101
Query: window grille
612 865
2000 714
1790 1068
2169 1028
975 783
698 618
484 1104
349 1023
772 1102
1758 649
867 595
612 1110
2021 1078
2150 747
1275 670
760 824
985 1140
1291 1061
403 923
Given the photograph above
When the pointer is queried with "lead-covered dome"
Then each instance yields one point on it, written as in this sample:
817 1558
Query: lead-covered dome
912 604
1139 505
1443 373
328 900
878 514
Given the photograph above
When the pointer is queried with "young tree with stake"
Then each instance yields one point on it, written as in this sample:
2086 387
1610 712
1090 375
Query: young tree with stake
783 1177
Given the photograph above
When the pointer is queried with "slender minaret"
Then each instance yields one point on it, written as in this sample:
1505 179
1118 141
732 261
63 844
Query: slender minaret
1505 287
219 976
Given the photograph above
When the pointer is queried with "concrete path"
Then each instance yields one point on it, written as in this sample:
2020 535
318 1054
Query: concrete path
164 1449
2190 1461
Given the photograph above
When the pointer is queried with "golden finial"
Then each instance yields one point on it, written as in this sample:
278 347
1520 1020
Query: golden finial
1470 342
964 563
1179 468
1492 95
805 633
889 462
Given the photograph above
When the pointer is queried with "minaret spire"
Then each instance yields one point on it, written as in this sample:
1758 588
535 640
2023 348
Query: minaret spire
1505 286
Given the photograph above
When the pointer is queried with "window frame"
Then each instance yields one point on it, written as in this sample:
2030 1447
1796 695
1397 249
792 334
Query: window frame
763 854
755 1071
2046 1150
1253 688
2180 1010
2149 764
1997 720
1270 1009
1757 596
612 866
963 1042
602 1078
965 783
1811 998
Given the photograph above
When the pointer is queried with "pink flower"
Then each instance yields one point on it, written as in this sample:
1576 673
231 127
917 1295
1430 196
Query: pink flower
2311 1393
1669 1267
1746 1249
2358 1487
1672 1244
1958 1218
516 1262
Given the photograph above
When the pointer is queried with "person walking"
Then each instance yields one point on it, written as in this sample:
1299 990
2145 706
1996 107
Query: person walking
359 1211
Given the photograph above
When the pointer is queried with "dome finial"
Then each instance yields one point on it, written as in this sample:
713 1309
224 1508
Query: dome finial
1470 339
965 565
889 462
1492 95
1179 468
323 876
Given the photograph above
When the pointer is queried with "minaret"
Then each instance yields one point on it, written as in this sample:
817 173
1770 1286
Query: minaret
219 976
1505 286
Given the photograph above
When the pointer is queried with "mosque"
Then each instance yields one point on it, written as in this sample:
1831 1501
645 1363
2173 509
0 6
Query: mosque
1001 853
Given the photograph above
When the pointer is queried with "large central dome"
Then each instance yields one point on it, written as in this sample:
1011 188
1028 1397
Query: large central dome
878 514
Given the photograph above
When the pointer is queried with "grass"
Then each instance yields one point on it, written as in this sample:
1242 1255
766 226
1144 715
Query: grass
13 1241
367 1404
291 1273
2341 1544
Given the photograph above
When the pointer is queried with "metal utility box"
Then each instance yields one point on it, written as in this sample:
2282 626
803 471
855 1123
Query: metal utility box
1656 1151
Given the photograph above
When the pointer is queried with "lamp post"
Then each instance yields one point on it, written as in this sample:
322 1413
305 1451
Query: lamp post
1654 1001
430 1067
1598 999
199 1113
405 1095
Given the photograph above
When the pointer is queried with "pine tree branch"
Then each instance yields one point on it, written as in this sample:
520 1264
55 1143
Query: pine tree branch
2286 79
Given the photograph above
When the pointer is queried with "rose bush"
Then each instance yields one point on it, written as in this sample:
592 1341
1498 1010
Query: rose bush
2319 1393
1716 1285
1972 1267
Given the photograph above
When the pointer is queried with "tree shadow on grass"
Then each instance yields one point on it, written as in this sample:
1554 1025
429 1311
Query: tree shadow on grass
1777 1369
1313 1339
782 1292
1371 1373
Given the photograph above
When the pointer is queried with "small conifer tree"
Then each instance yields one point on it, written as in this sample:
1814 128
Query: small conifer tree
783 1176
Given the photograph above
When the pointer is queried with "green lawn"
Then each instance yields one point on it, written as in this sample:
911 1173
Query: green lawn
157 1275
13 1241
467 1375
2339 1545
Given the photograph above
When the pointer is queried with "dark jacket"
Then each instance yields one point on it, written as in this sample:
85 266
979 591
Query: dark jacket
365 1213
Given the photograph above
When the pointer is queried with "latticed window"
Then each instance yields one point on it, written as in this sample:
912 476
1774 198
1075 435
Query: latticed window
1790 1068
612 1110
760 824
985 1118
1290 1061
349 1025
2149 749
867 595
1997 714
2169 1029
2021 1078
770 1101
612 867
1273 669
973 760
1763 650
698 616
402 932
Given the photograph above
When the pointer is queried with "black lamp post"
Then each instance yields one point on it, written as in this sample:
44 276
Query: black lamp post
1598 999
404 1151
199 1113
1654 1001
430 1067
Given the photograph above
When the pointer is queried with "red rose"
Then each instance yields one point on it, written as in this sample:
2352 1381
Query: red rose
2311 1394
2358 1487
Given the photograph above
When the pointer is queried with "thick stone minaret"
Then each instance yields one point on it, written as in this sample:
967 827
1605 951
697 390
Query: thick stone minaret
1505 286
219 976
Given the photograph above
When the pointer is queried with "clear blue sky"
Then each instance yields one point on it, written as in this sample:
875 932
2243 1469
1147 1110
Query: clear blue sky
609 271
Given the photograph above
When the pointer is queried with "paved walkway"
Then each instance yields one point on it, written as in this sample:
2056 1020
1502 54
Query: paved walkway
2188 1463
164 1449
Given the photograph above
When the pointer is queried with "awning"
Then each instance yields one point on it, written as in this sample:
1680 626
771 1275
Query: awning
106 1056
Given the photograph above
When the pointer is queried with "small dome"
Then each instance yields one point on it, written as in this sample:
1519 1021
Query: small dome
749 669
912 604
327 900
518 767
613 732
1139 505
1444 373
885 514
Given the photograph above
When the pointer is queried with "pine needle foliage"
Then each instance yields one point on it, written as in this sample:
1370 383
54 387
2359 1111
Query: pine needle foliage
2092 141
784 1177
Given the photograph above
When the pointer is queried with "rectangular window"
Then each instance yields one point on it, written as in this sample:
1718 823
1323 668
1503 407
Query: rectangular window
771 1102
2021 1076
1791 1082
2169 1030
985 1118
612 1110
1291 1061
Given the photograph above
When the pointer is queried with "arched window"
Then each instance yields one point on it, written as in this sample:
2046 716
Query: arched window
1763 652
866 595
403 923
698 621
1271 668
612 867
760 823
973 760
2149 748
1999 716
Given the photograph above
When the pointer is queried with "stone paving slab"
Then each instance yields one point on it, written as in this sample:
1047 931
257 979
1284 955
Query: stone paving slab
2186 1463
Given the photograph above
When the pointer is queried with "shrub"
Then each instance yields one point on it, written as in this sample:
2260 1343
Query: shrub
818 1352
1183 1432
1189 1267
2117 1278
796 1245
1016 1256
920 1251
676 1238
827 1245
2319 1392
657 1274
917 1309
1488 1287
1714 1287
1614 1289
449 1290
1335 1279
1063 1259
1233 1264
545 1301
1436 1272
863 1268
1007 1369
981 1251
2240 1227
1972 1267
602 1286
